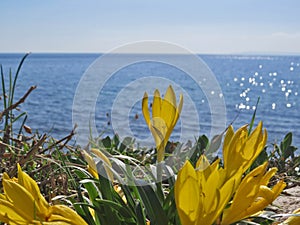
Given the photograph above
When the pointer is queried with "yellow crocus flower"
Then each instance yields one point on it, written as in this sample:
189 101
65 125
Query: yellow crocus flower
165 114
252 195
92 168
107 164
240 149
202 195
198 195
22 203
91 165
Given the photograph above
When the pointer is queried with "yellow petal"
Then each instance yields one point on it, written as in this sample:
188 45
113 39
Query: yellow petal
175 118
266 193
53 223
213 167
178 110
145 109
156 105
5 176
158 129
252 142
268 176
9 214
245 195
226 150
234 159
168 108
105 160
278 188
210 216
3 197
187 194
202 163
223 195
91 164
30 185
21 199
226 192
68 215
293 220
210 190
254 145
265 197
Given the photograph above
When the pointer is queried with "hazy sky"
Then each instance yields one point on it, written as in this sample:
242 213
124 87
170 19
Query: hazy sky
211 26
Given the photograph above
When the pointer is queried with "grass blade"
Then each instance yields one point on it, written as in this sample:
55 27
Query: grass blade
253 117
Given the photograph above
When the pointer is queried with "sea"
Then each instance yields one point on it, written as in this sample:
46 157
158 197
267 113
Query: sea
218 90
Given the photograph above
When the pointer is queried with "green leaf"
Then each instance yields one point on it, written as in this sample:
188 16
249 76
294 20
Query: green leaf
152 205
140 215
82 208
120 212
106 142
253 117
286 142
126 144
201 144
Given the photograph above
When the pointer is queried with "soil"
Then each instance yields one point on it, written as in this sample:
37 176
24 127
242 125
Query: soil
287 202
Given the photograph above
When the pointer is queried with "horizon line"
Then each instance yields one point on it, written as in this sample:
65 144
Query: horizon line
254 53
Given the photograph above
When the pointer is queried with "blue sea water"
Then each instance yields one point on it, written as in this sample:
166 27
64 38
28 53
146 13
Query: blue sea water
242 78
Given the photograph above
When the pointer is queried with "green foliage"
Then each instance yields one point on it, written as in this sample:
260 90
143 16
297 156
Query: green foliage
127 147
283 156
44 158
144 200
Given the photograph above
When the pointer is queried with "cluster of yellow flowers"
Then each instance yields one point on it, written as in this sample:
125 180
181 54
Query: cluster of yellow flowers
203 194
207 194
210 193
22 203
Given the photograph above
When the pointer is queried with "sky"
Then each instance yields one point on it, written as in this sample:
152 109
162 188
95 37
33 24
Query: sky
204 27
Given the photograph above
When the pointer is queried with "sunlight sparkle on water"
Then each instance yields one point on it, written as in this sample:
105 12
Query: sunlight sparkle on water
267 82
242 106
